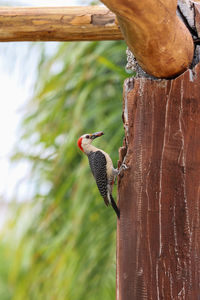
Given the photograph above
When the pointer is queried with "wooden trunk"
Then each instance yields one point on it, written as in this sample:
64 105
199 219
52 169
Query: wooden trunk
158 237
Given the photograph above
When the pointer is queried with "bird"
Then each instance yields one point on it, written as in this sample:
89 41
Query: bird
101 166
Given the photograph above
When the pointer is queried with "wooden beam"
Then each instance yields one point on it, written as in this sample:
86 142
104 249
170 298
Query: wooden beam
160 41
92 23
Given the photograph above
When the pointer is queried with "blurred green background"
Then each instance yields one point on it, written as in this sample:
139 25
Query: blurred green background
61 244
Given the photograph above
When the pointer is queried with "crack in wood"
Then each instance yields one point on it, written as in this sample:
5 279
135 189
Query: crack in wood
103 20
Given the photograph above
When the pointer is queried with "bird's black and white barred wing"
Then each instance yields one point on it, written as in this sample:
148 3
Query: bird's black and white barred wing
98 163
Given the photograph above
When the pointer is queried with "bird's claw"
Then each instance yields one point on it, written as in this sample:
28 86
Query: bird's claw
122 167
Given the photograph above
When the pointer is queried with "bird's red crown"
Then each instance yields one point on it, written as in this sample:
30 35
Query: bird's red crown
79 143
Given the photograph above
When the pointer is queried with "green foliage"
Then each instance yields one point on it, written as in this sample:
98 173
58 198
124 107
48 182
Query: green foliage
62 245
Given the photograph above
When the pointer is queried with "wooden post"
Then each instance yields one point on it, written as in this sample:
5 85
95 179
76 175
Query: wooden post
158 246
90 23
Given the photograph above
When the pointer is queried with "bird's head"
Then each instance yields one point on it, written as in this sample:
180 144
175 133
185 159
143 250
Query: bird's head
85 140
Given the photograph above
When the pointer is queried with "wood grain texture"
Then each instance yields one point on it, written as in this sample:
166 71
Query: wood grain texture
160 42
92 23
158 238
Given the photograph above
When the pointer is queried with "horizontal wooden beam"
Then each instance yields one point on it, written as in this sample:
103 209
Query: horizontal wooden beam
91 23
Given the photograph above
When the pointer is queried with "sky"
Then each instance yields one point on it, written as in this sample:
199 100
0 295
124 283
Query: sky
43 2
16 88
14 93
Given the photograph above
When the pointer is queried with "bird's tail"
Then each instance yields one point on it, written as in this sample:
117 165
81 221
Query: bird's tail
114 205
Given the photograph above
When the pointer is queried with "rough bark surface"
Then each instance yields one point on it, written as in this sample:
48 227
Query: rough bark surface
89 23
158 239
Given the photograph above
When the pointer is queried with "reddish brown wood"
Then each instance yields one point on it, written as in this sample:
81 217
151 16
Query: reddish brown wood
158 239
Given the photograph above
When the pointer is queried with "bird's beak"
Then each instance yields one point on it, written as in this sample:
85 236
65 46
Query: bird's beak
97 134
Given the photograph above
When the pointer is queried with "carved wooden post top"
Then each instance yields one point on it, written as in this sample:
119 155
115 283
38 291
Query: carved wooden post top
157 37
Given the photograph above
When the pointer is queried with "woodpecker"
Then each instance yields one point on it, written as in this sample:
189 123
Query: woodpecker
101 166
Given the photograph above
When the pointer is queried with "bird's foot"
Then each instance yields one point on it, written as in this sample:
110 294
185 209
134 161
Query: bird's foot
123 167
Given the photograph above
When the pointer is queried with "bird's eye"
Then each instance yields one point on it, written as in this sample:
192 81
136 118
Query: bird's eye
87 136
